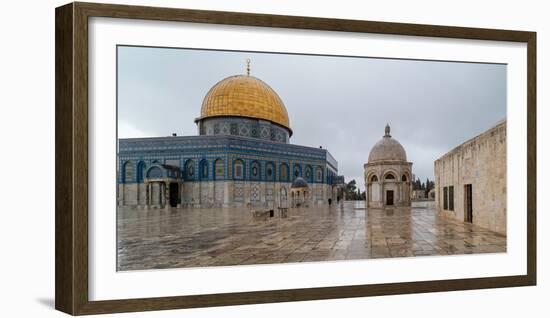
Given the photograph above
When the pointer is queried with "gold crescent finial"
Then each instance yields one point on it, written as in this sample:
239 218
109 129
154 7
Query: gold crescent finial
248 67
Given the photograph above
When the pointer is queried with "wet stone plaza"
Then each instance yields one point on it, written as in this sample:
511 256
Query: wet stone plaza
173 238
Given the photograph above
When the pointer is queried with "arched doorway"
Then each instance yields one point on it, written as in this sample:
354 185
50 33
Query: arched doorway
174 194
389 197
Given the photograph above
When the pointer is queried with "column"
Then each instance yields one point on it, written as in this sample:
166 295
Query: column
183 200
151 194
161 189
367 194
121 193
401 197
180 195
167 195
382 198
147 199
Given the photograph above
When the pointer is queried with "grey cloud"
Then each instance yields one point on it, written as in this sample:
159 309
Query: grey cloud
340 103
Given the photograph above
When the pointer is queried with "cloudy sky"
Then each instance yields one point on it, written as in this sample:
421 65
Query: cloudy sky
340 103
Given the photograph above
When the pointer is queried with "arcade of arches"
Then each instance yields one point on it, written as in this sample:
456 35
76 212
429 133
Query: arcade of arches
388 174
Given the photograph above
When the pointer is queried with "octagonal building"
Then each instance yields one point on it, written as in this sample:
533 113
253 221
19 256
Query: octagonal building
388 174
241 157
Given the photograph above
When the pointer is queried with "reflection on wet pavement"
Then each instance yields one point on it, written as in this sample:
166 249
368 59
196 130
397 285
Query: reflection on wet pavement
175 238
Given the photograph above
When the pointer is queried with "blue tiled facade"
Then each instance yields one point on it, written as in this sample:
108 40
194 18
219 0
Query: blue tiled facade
241 157
197 156
246 127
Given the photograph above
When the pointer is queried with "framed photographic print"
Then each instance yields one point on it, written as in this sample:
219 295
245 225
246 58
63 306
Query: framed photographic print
211 158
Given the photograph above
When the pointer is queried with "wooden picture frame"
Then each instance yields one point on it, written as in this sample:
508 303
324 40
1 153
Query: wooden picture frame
71 154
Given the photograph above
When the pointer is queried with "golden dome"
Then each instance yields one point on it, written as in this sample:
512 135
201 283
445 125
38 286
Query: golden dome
244 96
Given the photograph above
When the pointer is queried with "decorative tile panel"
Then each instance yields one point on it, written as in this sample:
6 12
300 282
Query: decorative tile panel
255 192
238 191
269 194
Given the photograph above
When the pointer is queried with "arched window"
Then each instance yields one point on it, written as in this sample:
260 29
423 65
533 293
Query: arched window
319 174
283 193
309 173
295 172
154 173
390 176
283 172
140 171
219 170
270 171
128 172
189 170
238 169
255 172
404 178
203 170
374 179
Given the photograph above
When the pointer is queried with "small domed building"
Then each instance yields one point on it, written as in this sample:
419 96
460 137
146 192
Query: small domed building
242 156
388 174
299 193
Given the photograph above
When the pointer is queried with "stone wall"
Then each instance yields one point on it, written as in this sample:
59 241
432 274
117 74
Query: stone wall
224 194
132 194
481 163
418 194
400 185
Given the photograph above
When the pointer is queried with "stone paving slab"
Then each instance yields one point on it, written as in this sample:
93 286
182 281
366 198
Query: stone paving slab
175 238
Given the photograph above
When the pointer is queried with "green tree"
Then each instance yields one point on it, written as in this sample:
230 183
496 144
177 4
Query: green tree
417 185
429 185
352 192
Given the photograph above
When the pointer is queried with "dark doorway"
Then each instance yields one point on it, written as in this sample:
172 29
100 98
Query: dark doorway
389 197
174 194
468 213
